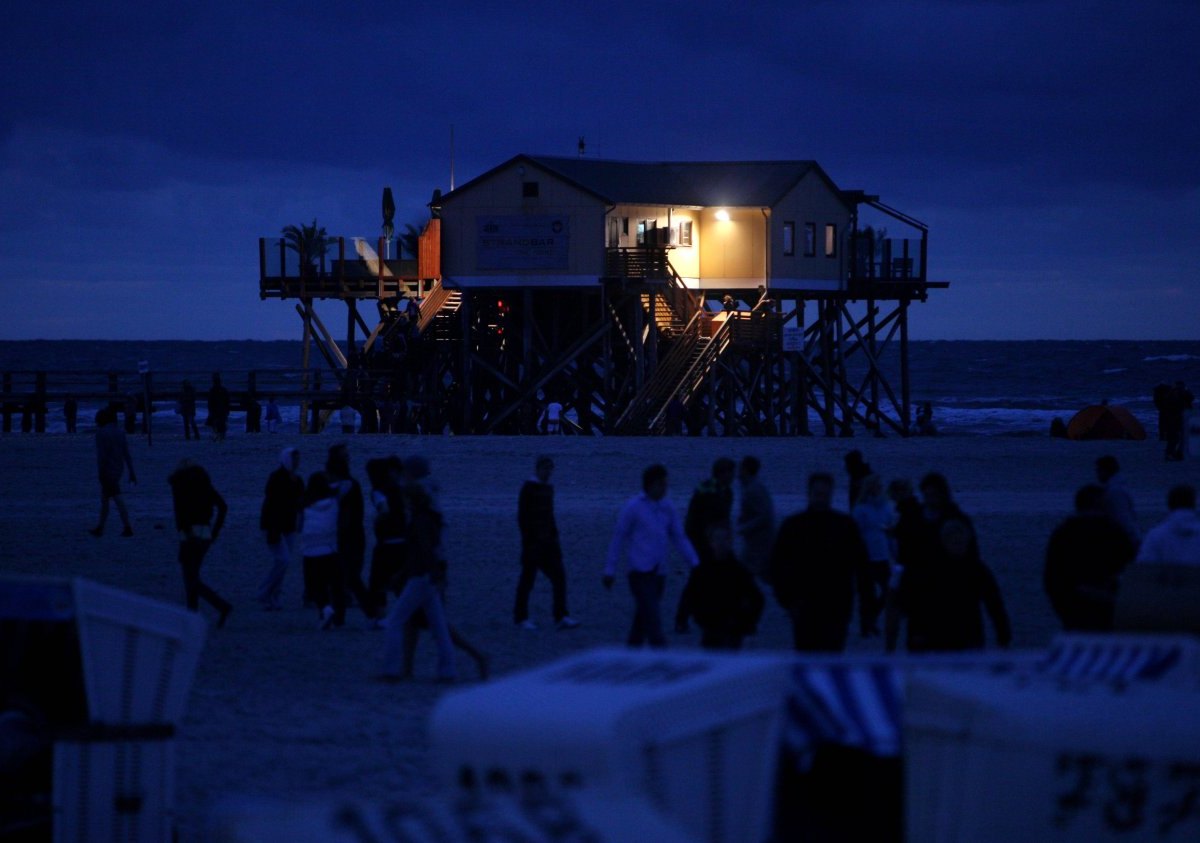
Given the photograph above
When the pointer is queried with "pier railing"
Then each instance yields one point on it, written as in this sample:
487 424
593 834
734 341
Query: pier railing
28 396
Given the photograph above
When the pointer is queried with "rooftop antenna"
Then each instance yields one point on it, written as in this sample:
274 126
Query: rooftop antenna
582 145
452 156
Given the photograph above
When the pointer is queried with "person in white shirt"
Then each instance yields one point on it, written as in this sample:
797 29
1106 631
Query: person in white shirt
1176 540
647 528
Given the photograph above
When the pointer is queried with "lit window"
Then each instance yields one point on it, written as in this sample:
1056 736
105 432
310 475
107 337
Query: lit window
685 233
830 240
789 238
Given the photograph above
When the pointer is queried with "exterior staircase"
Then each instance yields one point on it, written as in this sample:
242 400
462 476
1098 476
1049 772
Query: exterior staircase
680 374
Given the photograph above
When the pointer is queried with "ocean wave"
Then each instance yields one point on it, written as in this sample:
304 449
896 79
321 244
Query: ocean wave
1173 358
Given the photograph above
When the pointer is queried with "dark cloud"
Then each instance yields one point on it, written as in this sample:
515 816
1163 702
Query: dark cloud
143 122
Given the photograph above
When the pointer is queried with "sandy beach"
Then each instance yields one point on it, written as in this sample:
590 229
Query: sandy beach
282 710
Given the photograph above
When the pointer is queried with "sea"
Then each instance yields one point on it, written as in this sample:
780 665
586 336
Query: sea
977 388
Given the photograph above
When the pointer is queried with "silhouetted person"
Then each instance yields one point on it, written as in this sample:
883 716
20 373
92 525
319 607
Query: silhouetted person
924 421
944 597
352 538
540 547
1178 405
112 459
813 565
279 519
675 415
721 594
711 503
71 412
273 417
1084 560
647 528
187 409
253 415
857 470
756 518
1118 503
218 407
386 477
875 518
199 515
1162 401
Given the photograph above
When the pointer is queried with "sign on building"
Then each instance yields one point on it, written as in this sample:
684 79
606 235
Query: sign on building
522 242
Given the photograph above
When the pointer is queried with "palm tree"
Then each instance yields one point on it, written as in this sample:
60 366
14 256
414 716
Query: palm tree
308 241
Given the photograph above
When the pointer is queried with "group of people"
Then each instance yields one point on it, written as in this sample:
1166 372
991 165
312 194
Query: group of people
899 558
326 516
908 560
1089 551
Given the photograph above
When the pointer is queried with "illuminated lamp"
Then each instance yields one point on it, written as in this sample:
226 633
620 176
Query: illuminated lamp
722 215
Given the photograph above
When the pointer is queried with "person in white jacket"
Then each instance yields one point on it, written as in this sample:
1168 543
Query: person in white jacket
319 544
1176 539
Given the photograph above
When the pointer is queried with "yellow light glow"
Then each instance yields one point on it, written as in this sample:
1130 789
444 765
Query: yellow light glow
722 215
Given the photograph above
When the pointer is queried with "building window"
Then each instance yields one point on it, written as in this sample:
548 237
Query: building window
830 240
789 238
810 239
685 233
641 233
614 232
529 189
625 226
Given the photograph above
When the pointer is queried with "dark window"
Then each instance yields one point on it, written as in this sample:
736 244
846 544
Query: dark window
789 238
810 239
830 240
529 189
625 226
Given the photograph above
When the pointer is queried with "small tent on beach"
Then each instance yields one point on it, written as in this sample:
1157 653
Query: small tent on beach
1103 421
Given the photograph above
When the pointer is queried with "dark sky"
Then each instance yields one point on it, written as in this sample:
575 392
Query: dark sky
1053 148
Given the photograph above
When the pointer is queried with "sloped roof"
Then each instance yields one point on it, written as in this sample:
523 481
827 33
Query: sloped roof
757 184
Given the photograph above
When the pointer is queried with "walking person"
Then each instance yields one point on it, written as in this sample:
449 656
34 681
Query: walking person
875 518
387 558
647 528
421 592
814 562
540 547
323 583
352 538
756 518
199 515
417 477
187 409
722 595
1084 559
1117 501
944 597
218 407
283 501
272 415
112 459
711 503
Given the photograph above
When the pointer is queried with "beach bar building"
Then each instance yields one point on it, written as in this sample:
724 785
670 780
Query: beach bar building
731 297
